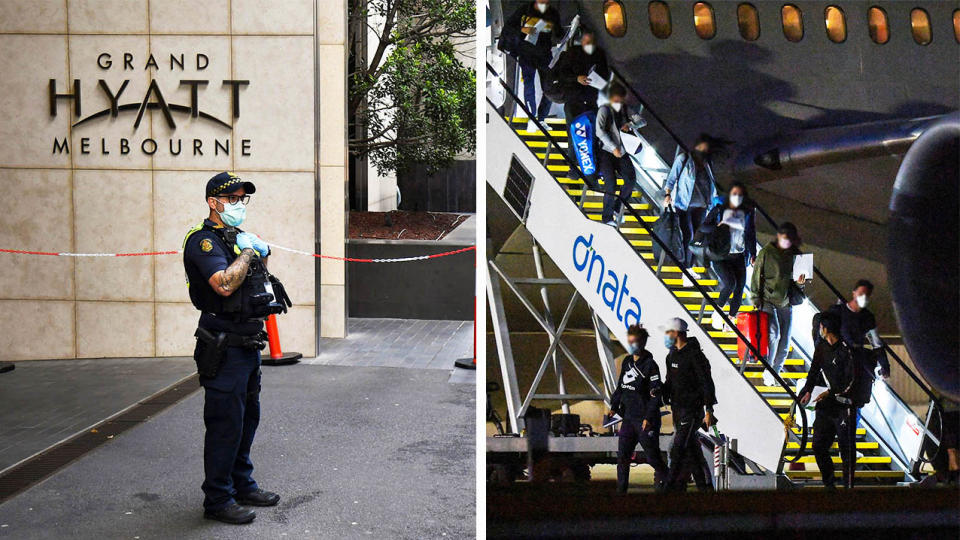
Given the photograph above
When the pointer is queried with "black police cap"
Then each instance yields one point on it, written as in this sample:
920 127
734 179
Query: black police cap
227 182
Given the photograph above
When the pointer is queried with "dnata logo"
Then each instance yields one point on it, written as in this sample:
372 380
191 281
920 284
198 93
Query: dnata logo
611 286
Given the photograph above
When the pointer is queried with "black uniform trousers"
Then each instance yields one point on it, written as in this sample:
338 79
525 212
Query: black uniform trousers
686 458
231 414
630 434
835 421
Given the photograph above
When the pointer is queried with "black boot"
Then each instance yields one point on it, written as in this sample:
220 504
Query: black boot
259 497
233 514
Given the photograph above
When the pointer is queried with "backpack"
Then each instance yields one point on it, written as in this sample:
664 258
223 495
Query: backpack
667 229
855 375
712 240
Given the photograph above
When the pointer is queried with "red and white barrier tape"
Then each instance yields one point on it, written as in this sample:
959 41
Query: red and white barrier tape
291 250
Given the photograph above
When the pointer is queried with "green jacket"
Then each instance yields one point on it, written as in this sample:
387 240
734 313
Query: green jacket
776 267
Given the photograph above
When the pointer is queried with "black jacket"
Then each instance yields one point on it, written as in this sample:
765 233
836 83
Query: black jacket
637 396
574 63
828 368
513 40
689 385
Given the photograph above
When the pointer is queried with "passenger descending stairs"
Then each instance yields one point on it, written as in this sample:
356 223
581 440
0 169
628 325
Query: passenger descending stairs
874 466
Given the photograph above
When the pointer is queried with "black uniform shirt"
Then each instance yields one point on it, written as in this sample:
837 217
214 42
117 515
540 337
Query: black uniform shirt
205 254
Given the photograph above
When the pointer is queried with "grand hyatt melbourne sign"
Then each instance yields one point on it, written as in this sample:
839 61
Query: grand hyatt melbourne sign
124 105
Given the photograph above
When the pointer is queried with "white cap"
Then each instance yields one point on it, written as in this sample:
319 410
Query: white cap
675 323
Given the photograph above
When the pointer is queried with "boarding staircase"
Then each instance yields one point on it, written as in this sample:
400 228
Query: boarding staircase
888 440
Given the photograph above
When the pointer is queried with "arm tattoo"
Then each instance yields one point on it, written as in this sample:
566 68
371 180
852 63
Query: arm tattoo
233 276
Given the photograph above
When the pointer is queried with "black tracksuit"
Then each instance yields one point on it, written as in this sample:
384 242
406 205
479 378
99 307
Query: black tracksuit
637 398
689 389
834 420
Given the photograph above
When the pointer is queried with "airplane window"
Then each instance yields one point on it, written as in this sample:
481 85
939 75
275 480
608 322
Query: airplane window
956 25
877 21
836 24
704 21
614 18
920 24
659 19
792 21
748 21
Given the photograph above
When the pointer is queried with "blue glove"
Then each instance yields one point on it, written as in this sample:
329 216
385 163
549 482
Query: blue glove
249 241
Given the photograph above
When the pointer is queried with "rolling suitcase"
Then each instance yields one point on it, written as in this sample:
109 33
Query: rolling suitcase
747 324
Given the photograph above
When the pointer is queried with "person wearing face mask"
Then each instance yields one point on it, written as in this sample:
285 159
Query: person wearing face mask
769 289
691 189
528 35
572 70
836 412
637 400
858 326
217 257
691 394
612 119
735 218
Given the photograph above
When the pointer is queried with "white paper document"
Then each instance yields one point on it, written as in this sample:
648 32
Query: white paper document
537 28
803 266
631 142
562 46
615 419
817 390
595 80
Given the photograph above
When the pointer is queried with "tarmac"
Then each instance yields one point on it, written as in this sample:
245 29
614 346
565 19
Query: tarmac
354 452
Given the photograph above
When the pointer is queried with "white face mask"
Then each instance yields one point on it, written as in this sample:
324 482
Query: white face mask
736 200
784 243
862 301
589 48
542 8
616 106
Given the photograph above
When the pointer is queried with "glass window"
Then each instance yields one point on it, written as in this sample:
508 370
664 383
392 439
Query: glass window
614 18
877 21
920 25
836 24
748 21
792 22
956 25
659 19
704 21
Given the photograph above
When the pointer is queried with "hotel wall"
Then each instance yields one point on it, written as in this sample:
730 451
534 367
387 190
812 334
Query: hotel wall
60 307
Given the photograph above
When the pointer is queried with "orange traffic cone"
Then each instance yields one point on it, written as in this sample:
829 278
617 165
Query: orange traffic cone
277 357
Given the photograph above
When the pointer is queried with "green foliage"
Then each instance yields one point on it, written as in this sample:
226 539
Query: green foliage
415 99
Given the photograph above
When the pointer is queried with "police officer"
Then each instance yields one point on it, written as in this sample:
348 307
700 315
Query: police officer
217 257
691 394
637 400
836 412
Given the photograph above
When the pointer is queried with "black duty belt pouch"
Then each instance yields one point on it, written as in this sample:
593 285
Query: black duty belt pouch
210 351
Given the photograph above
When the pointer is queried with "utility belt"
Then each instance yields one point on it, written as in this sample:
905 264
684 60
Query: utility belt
211 348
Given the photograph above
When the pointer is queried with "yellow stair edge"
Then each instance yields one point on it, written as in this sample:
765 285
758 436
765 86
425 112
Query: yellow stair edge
858 474
860 445
873 460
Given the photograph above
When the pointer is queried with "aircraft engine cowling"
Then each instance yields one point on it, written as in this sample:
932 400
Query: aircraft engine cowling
922 253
